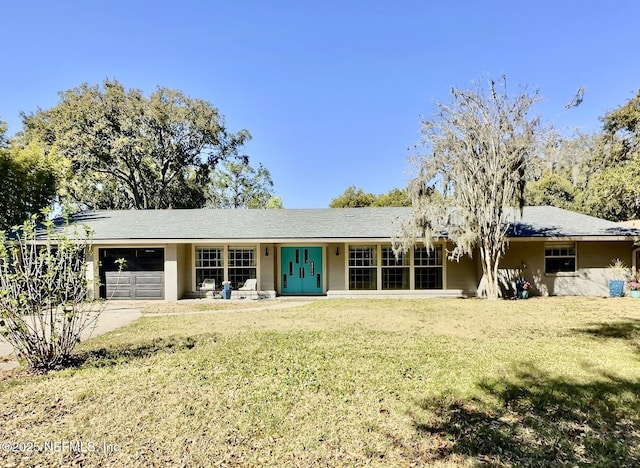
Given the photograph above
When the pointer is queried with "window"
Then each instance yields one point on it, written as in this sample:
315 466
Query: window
209 265
242 265
559 258
428 267
362 267
395 272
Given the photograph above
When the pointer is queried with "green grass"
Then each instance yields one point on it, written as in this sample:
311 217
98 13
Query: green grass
542 382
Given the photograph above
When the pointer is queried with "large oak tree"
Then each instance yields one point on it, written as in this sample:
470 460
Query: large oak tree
596 173
612 191
238 185
127 150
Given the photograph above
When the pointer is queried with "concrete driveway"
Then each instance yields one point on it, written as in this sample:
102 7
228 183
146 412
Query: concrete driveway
116 314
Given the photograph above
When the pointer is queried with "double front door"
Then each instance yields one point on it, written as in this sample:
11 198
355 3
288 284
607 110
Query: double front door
301 270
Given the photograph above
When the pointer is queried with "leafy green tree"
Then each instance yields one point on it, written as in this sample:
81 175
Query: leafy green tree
477 151
551 190
612 190
274 203
30 180
238 185
592 173
43 293
131 151
621 129
614 193
3 134
353 197
394 197
559 175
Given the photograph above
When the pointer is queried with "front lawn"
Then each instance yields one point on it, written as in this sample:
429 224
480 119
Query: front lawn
540 382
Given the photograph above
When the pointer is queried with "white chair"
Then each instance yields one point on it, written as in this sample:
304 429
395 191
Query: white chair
250 286
208 287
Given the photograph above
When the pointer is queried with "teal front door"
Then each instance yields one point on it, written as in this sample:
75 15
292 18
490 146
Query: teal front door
301 270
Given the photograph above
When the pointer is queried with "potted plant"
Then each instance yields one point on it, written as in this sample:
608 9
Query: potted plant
618 273
522 288
634 286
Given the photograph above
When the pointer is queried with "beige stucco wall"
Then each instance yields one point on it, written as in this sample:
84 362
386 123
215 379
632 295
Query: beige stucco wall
462 274
522 259
267 274
336 267
526 259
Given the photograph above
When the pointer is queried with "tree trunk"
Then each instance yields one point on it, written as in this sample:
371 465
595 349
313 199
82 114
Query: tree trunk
490 272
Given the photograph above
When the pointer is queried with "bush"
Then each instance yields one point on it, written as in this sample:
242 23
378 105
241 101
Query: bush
45 297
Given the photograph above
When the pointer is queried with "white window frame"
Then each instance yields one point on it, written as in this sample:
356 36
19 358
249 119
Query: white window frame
373 264
252 265
390 263
560 247
226 267
415 266
198 266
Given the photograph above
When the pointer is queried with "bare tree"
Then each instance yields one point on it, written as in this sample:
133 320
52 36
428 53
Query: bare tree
45 301
471 176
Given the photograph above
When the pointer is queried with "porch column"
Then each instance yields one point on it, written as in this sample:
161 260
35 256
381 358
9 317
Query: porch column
170 272
92 276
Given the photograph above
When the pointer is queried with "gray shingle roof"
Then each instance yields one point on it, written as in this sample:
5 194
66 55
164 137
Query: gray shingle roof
354 223
245 224
549 221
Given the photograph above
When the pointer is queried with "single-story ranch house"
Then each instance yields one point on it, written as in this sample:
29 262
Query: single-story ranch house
339 252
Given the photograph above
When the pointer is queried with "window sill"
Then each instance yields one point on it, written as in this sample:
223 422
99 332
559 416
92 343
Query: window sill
562 274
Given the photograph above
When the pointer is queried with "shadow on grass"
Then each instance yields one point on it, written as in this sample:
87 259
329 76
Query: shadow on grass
122 353
627 330
541 421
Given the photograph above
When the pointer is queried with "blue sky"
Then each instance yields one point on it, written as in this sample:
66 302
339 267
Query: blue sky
332 91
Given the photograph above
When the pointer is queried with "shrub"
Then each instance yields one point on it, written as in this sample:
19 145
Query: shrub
45 297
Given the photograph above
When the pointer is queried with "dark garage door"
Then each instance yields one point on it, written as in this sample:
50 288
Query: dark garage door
142 276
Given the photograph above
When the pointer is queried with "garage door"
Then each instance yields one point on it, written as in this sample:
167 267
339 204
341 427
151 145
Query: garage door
142 276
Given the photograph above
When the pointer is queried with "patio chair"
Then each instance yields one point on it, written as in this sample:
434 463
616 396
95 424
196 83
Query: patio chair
250 286
208 287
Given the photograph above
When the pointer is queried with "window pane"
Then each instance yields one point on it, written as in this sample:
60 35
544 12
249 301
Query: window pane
216 274
360 256
428 278
238 276
207 257
362 278
395 278
389 258
241 257
557 251
559 264
425 257
560 258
